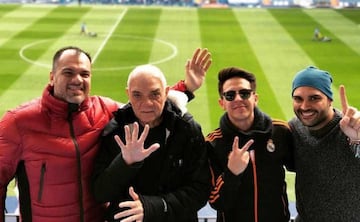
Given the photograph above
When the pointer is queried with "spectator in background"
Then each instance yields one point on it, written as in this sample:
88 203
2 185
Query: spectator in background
49 144
152 165
327 150
247 155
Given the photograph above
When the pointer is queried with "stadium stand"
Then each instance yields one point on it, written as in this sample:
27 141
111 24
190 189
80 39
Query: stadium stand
204 3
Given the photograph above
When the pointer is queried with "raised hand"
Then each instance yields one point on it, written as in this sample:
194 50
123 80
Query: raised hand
135 211
134 150
350 123
196 69
238 159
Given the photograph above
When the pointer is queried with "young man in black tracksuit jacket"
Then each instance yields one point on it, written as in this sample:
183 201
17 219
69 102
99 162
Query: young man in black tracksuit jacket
247 155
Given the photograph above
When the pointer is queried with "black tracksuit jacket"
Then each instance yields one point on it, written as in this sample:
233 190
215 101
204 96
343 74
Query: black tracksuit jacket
234 196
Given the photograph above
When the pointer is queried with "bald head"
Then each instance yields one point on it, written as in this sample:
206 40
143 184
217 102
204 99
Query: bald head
147 70
147 91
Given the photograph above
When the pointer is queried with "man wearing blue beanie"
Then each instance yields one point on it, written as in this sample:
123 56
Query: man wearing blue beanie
327 150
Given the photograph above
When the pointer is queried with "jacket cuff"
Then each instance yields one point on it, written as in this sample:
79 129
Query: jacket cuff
180 86
230 178
155 207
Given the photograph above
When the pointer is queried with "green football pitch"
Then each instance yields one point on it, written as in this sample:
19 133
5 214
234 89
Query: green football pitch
272 43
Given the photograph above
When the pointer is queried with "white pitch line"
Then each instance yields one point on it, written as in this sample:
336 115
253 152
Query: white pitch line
121 16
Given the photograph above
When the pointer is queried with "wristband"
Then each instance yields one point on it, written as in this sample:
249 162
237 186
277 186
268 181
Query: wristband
180 86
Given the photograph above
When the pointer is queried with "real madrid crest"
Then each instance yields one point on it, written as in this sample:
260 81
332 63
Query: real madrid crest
270 146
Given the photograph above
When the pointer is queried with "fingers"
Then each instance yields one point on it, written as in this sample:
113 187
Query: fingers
352 118
239 158
127 133
235 145
132 193
196 54
205 59
143 134
119 142
133 213
131 135
245 148
135 132
132 150
202 57
207 65
247 145
350 114
135 209
343 99
133 218
142 138
151 149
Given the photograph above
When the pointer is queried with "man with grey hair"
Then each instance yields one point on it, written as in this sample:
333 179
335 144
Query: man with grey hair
49 144
153 164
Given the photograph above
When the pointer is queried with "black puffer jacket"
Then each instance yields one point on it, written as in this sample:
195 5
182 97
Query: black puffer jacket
233 196
176 173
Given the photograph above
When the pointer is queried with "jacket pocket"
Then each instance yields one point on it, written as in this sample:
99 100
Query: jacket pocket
42 176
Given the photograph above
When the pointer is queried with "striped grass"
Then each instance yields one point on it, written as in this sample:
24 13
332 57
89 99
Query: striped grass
272 43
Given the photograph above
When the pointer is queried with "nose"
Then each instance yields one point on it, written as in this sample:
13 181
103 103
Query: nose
304 105
77 78
238 97
147 101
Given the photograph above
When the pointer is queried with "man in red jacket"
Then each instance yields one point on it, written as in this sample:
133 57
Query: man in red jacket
49 144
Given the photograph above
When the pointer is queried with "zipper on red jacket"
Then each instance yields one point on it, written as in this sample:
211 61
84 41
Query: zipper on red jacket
42 176
252 157
73 108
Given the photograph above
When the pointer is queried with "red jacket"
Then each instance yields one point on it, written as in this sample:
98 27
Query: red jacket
52 157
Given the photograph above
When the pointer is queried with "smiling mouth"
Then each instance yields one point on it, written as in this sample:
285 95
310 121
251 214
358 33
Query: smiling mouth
307 114
239 107
76 90
147 112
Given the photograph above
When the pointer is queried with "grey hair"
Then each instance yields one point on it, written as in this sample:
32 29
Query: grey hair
147 69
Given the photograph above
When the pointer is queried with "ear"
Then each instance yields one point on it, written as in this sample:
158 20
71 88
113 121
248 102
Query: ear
51 78
167 88
256 98
221 103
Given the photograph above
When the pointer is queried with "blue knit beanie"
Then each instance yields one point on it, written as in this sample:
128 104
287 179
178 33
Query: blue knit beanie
314 77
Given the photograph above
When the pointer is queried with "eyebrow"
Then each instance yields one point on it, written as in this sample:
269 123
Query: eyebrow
152 91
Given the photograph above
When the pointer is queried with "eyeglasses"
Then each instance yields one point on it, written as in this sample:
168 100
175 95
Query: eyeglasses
244 94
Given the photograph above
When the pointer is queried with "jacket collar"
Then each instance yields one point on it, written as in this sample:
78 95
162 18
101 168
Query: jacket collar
50 104
262 125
